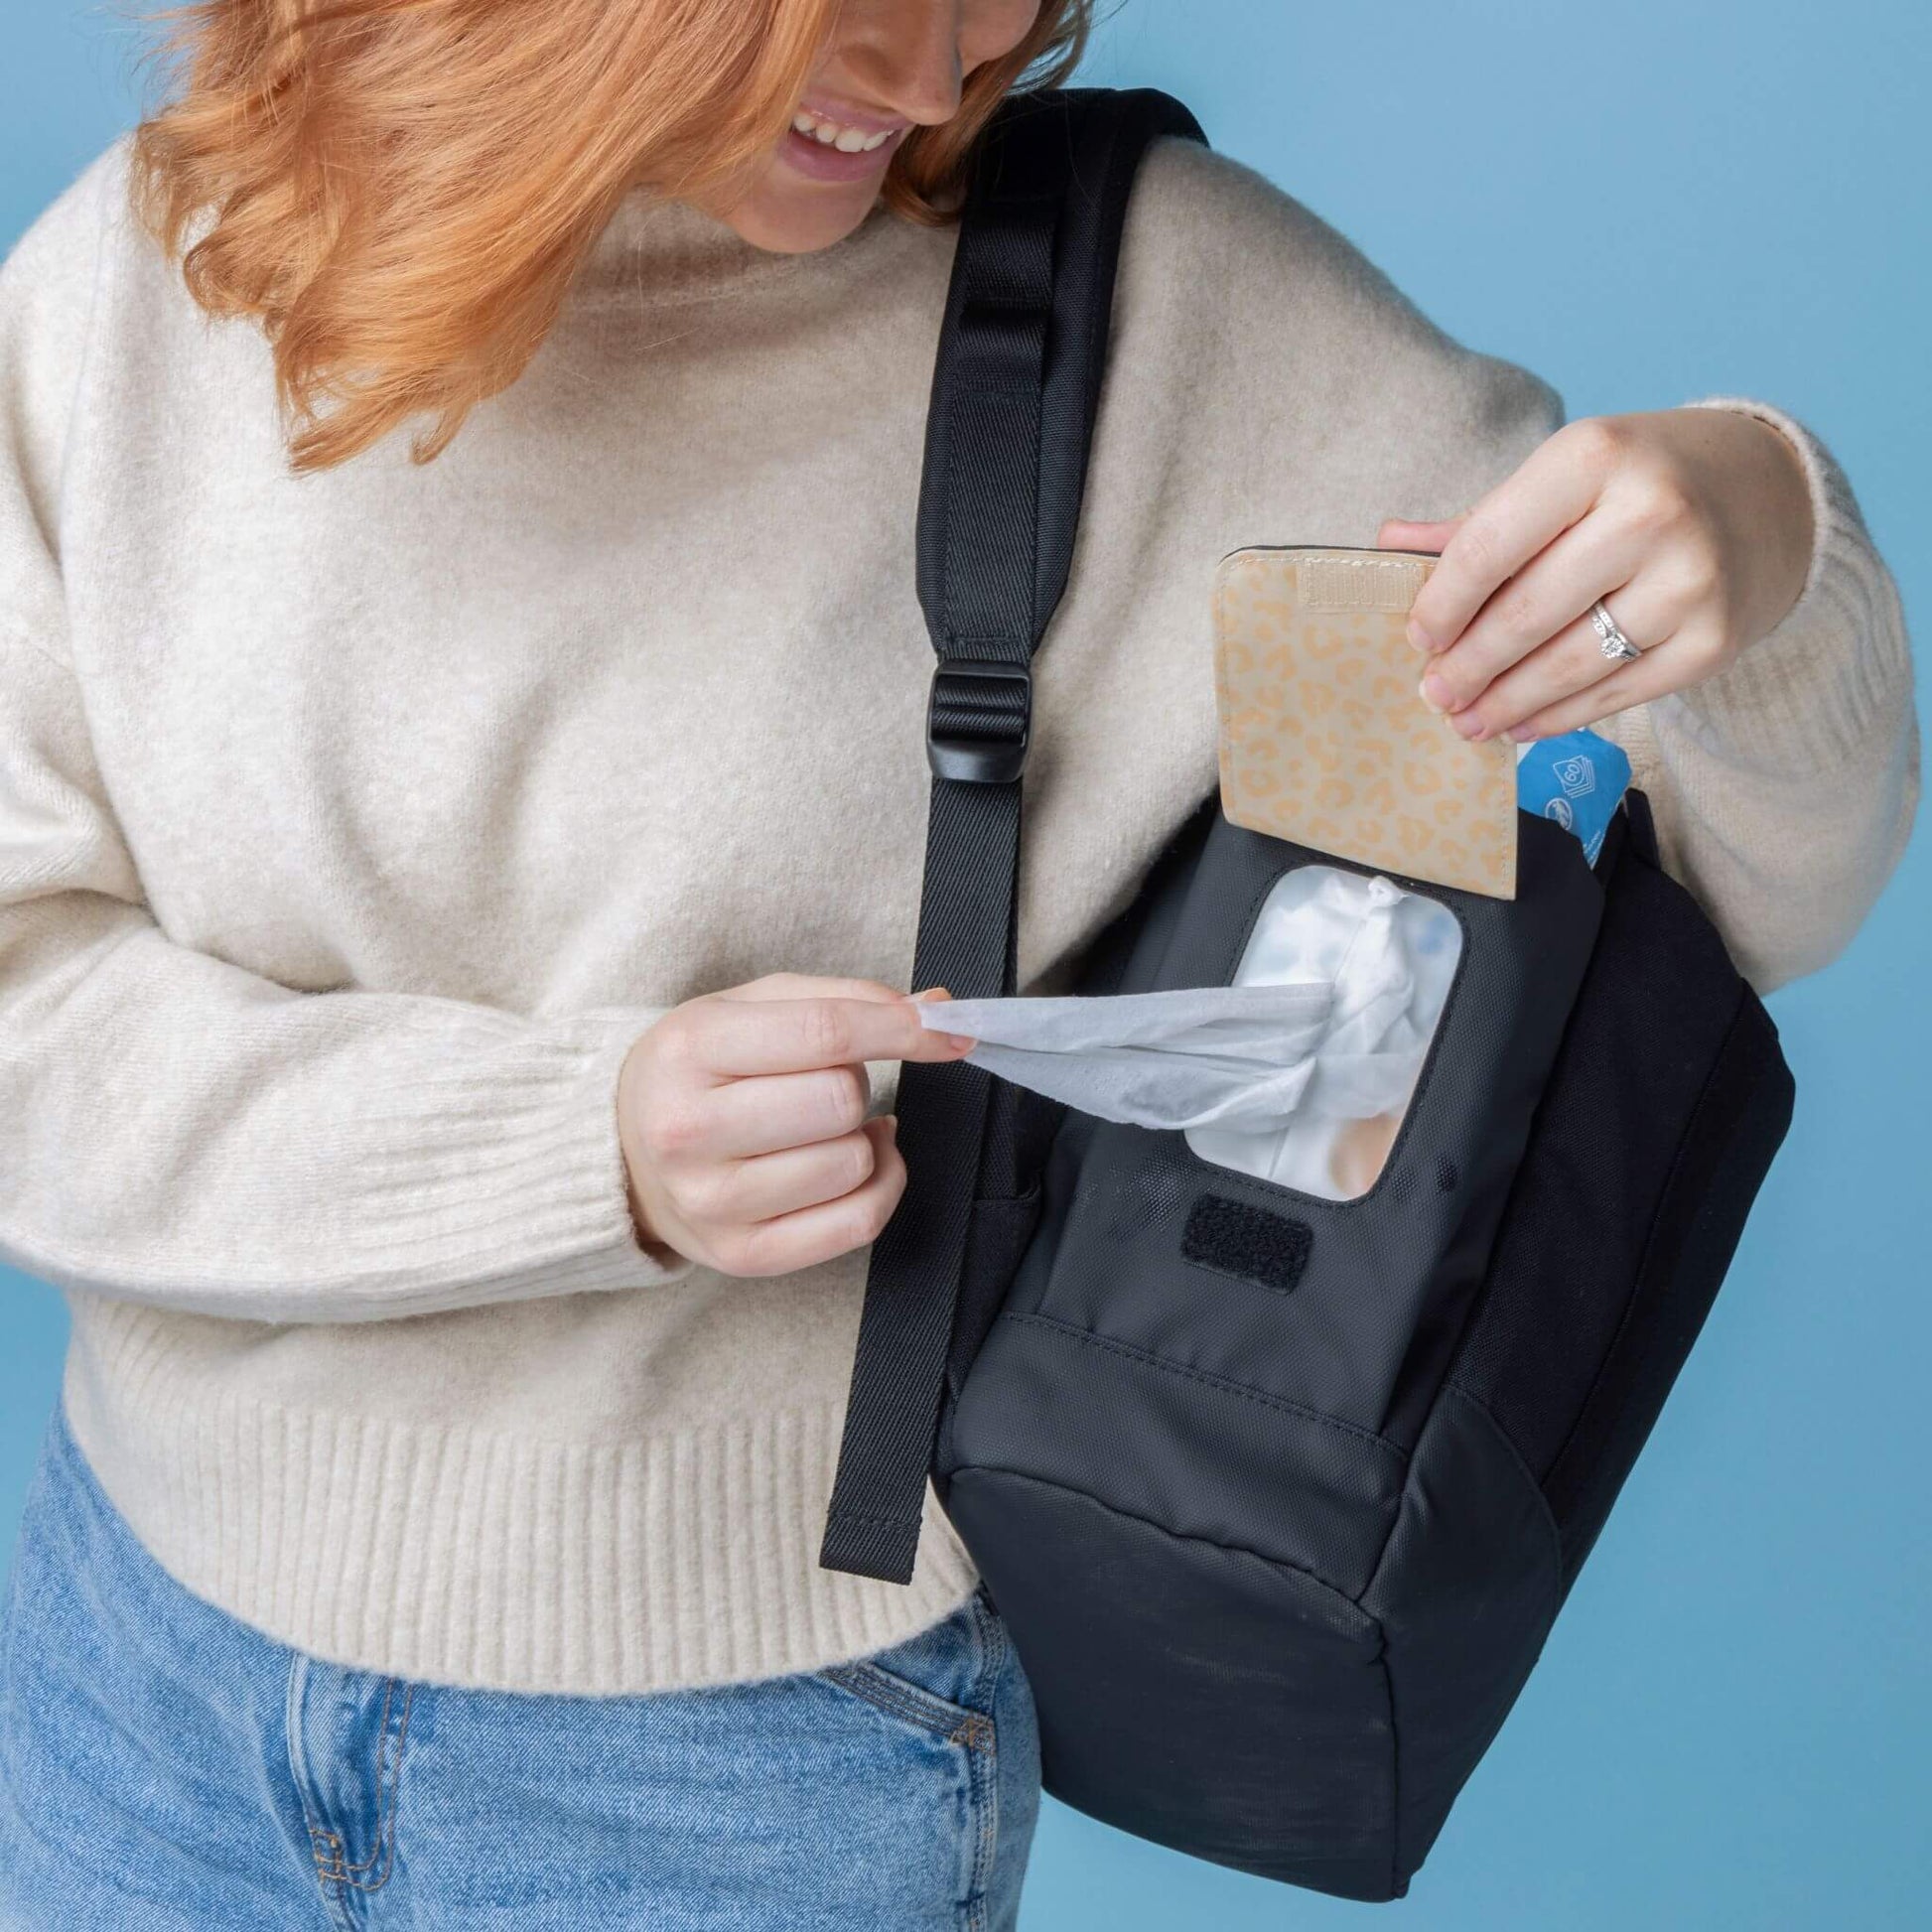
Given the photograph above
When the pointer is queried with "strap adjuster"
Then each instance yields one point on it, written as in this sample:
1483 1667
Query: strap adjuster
979 718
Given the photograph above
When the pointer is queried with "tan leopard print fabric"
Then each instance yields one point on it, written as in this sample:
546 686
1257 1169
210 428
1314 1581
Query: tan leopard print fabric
1324 737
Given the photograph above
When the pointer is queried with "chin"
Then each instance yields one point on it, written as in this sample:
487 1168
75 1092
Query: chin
789 220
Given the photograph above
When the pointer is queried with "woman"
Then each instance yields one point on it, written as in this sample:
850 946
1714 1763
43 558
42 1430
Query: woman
451 907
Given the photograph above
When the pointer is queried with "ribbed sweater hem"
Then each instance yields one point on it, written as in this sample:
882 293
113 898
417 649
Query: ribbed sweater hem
493 1560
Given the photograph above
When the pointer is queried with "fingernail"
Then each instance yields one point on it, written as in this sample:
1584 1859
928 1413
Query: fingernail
931 992
1522 734
1419 636
1470 725
964 1041
1435 693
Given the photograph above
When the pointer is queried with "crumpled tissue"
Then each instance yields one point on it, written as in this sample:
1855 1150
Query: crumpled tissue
1329 1016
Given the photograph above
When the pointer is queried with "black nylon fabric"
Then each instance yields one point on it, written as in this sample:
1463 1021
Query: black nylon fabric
1623 1223
1162 1466
1366 1331
1202 1697
1016 385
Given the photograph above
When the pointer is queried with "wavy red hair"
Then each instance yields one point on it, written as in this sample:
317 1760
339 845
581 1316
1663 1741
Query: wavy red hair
402 190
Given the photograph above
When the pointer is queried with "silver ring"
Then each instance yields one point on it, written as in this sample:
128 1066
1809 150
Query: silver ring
1614 644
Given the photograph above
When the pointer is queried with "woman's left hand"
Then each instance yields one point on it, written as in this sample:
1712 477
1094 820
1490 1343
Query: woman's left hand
1694 526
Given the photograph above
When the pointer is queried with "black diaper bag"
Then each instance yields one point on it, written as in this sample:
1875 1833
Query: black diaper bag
1278 1495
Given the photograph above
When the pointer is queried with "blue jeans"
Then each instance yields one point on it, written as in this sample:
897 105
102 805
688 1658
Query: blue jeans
163 1765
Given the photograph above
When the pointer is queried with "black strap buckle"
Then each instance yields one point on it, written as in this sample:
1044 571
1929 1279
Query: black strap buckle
979 718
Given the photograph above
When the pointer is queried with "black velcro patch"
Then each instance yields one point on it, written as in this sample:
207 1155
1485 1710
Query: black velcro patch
1234 1237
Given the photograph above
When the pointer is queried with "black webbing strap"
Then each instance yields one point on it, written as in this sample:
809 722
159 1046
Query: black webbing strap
1015 392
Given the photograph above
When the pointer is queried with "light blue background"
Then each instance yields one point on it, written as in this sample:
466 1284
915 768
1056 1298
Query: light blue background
1644 201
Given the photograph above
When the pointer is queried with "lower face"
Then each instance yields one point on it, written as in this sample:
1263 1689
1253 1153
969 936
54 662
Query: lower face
820 182
890 65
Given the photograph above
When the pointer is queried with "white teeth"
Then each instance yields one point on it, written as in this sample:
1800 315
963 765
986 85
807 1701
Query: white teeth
830 134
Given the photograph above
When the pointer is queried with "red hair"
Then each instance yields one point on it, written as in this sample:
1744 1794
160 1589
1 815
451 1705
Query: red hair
402 190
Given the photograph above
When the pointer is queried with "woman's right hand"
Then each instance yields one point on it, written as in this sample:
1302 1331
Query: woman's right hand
743 1119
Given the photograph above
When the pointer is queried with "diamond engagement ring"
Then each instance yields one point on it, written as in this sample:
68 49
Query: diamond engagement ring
1614 644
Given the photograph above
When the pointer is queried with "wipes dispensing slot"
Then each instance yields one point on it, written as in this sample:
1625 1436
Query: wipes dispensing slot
1390 958
1300 1071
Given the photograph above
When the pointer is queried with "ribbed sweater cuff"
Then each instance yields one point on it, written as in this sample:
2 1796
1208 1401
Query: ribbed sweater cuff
501 1175
1813 692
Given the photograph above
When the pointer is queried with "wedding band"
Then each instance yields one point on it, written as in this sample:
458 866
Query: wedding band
1614 644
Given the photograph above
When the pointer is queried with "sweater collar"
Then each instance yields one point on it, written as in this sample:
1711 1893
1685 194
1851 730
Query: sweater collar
655 253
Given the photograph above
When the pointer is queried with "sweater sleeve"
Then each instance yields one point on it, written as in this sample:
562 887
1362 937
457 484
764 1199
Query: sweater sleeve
176 1130
1784 788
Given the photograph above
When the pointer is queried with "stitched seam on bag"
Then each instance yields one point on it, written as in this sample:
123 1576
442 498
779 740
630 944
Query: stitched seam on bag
1099 315
1395 1772
1545 1515
1211 1381
1650 1239
1322 1582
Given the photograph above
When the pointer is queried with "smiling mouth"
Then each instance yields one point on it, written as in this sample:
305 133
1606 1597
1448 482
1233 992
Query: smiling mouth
840 136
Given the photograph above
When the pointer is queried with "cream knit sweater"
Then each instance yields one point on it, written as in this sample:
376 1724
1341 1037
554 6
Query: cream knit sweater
353 826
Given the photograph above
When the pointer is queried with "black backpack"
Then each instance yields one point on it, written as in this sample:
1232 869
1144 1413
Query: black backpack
1278 1495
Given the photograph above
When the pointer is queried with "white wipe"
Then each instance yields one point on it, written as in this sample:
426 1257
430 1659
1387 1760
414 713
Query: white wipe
1333 1007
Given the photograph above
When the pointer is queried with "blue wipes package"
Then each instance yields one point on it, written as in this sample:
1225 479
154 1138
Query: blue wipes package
1577 779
